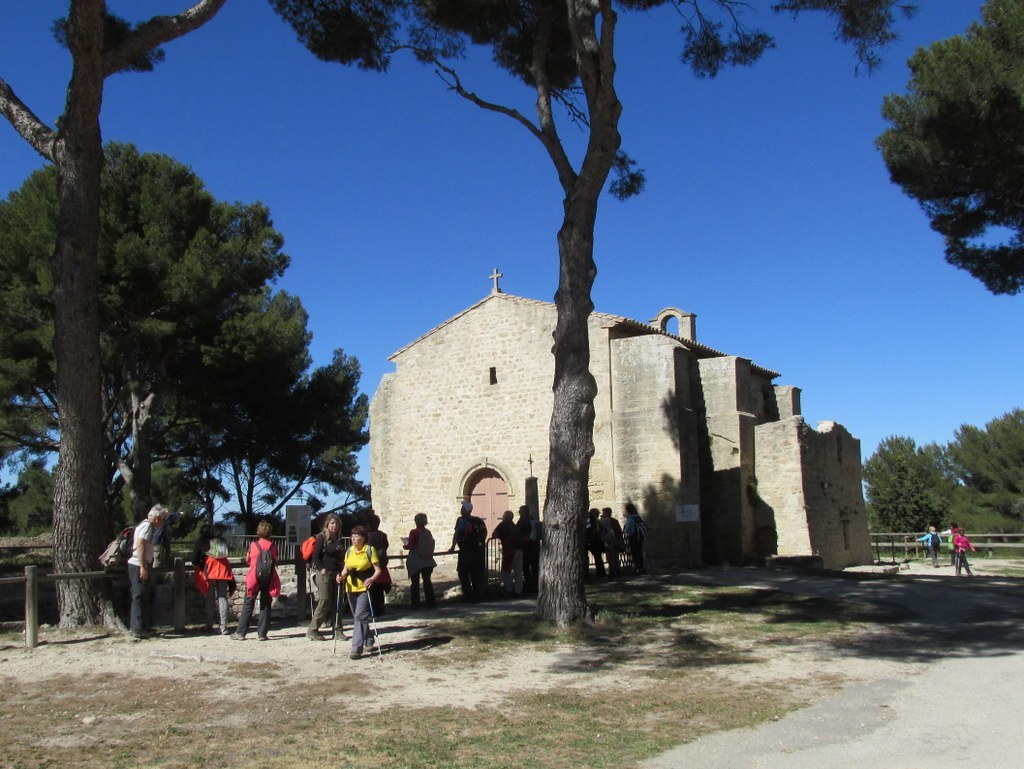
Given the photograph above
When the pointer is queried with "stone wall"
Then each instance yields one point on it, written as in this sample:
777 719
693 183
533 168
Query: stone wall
474 393
655 448
727 399
809 482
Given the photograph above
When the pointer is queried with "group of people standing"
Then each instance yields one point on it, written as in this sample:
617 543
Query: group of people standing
359 571
959 546
214 577
607 539
520 542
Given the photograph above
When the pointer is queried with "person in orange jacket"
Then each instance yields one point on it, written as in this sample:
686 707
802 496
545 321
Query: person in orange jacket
214 577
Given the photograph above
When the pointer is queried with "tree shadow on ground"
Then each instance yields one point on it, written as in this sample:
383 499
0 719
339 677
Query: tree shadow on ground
725 625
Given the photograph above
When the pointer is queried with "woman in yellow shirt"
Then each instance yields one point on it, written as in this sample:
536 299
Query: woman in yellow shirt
362 567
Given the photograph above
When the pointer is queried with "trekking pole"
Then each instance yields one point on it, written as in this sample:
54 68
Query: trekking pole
373 619
337 613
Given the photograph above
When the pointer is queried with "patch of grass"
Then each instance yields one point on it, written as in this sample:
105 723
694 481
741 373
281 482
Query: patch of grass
602 729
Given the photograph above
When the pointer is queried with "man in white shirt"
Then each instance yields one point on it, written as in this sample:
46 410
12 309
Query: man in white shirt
138 569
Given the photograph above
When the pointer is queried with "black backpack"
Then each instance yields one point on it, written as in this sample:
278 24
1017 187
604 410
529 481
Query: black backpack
473 531
264 565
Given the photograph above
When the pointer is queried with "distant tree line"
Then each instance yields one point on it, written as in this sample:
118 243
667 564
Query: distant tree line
976 480
209 397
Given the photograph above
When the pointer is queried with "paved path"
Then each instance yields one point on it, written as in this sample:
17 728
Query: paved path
964 710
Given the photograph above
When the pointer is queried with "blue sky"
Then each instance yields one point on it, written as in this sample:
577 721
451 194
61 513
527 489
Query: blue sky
768 211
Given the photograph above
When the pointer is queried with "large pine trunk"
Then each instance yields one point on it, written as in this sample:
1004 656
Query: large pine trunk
571 433
80 526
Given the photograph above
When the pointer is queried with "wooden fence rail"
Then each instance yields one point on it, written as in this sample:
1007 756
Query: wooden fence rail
32 578
907 543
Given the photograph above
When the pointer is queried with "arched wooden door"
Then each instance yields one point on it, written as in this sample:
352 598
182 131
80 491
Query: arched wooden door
488 492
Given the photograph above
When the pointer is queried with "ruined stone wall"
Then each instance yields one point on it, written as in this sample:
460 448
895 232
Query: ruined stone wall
727 395
655 445
810 482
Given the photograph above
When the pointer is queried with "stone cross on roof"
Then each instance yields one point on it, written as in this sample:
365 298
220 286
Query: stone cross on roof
496 289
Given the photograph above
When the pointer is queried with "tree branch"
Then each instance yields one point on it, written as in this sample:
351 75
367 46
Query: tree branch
156 31
40 136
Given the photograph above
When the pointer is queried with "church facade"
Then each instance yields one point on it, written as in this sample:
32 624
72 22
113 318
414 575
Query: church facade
716 456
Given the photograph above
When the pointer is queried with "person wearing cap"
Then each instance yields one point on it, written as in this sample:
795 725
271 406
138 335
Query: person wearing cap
139 566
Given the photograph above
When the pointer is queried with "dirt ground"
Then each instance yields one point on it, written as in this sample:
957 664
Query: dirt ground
404 636
84 670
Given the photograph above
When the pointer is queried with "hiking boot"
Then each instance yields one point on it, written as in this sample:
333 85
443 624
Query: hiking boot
314 635
355 655
237 637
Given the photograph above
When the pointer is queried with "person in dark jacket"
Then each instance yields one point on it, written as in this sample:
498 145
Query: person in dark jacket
327 561
531 532
379 541
511 539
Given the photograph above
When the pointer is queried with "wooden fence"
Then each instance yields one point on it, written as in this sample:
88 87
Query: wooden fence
184 573
907 545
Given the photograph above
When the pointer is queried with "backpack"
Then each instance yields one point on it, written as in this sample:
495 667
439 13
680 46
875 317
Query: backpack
117 553
264 565
641 530
636 529
475 531
307 548
217 548
934 541
425 544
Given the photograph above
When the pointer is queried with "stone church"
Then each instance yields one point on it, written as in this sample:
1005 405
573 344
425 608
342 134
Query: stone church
717 458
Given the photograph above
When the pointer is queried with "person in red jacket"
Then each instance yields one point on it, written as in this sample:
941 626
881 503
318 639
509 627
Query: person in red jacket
214 577
960 546
266 590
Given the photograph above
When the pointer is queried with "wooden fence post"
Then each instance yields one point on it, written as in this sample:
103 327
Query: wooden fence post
179 594
31 607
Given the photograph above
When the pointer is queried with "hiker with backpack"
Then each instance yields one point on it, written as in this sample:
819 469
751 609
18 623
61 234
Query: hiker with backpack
139 565
932 541
361 568
326 562
261 580
379 541
511 540
611 534
635 532
471 538
213 576
420 562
